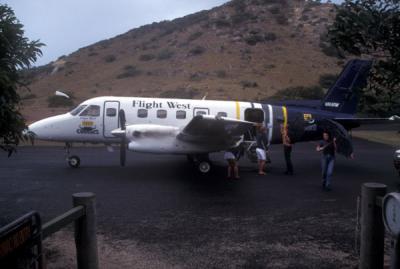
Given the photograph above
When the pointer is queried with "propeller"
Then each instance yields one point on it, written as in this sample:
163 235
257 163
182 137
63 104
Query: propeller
122 150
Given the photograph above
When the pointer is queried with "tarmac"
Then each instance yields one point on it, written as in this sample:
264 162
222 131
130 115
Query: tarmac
161 209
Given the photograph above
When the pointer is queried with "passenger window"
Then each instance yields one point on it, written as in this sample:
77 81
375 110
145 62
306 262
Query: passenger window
161 113
111 112
142 113
222 114
181 114
91 111
77 110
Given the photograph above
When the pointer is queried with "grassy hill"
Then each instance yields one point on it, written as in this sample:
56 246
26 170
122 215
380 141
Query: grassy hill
244 49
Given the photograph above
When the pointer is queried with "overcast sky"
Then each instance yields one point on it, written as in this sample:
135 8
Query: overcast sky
67 25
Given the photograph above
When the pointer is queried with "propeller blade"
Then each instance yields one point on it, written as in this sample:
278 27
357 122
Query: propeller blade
122 151
122 119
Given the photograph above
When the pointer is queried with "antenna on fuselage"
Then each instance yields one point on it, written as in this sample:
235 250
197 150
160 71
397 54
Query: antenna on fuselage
58 93
205 96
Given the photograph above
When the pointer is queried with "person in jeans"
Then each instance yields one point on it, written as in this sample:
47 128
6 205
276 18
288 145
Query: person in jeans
287 149
328 148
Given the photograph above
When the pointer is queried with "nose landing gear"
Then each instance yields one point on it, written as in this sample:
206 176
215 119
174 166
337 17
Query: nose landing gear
73 161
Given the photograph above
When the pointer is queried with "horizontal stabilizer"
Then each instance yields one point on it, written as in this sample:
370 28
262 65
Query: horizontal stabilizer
365 121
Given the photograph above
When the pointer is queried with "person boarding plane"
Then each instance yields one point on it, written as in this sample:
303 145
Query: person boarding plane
199 127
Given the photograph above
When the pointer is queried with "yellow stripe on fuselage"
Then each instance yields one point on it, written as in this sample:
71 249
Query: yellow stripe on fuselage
285 117
237 110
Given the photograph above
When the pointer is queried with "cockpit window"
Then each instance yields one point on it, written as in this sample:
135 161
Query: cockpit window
77 110
91 111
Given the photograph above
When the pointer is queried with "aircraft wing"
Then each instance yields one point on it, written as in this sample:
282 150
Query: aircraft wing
212 130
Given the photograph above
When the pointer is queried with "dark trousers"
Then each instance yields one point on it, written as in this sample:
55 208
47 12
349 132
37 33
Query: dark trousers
287 150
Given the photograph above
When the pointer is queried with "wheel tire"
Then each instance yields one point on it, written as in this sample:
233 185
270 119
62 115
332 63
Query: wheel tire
204 167
74 161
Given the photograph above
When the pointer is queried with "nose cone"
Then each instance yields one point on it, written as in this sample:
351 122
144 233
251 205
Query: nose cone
49 128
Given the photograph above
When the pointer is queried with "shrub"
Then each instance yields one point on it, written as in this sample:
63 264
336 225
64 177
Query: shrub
28 96
253 39
110 58
242 17
197 76
300 93
221 73
282 19
197 50
275 9
248 84
129 71
304 18
194 36
327 80
329 50
270 37
165 54
59 101
93 54
219 23
238 5
146 57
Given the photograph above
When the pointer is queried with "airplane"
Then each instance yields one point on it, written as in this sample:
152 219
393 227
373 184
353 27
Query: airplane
198 127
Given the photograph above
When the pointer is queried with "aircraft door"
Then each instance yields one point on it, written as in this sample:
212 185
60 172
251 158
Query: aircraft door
111 122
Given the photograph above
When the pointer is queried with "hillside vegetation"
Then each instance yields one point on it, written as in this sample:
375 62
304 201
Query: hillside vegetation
242 50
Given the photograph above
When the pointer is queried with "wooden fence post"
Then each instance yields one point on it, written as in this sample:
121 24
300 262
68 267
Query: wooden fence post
85 232
372 227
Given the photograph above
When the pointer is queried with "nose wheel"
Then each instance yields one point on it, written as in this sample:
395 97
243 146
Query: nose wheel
73 161
204 167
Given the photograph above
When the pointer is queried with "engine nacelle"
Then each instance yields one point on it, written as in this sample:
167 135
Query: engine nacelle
151 137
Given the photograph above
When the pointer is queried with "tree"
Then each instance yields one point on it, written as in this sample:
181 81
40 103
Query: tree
16 53
372 28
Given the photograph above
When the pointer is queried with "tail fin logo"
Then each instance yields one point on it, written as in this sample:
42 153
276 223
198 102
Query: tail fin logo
332 104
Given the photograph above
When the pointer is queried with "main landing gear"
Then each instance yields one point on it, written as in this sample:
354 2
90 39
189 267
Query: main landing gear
202 162
73 161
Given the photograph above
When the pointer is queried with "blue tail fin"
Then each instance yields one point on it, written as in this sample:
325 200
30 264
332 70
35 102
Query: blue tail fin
343 96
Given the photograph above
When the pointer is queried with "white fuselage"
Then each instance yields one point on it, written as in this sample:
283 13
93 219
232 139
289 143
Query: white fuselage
95 125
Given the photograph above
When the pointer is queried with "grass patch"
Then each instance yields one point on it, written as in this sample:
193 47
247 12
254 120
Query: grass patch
391 138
